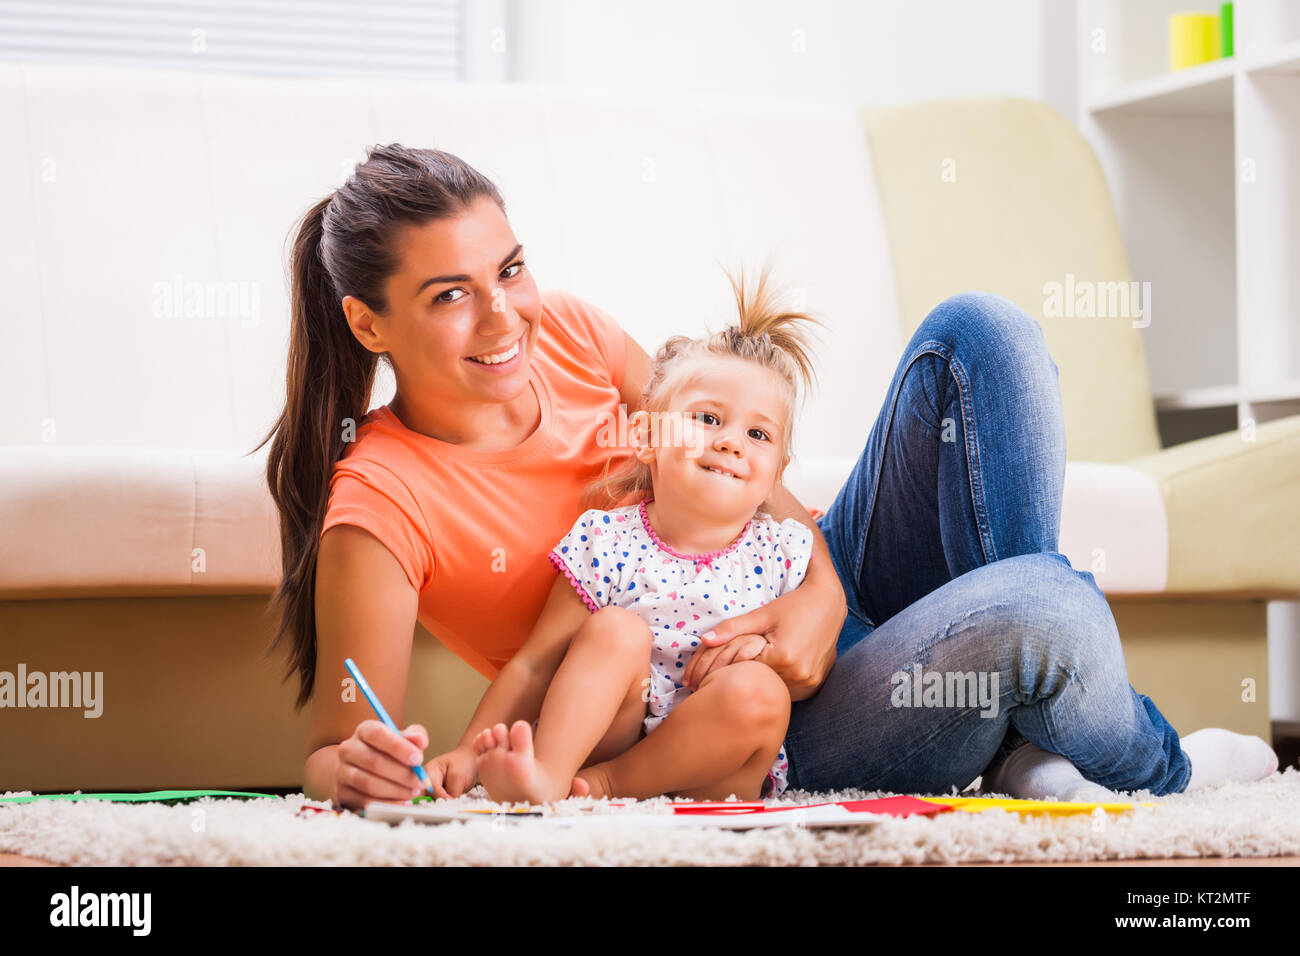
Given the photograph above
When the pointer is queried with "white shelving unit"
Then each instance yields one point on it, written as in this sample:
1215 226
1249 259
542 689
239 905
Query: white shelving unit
1204 167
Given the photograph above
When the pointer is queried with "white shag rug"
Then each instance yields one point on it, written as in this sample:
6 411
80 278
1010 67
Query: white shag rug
1231 820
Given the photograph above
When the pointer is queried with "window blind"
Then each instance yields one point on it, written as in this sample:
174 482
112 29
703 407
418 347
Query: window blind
406 38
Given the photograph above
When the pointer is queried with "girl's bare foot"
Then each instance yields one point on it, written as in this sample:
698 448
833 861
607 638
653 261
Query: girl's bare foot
592 782
508 768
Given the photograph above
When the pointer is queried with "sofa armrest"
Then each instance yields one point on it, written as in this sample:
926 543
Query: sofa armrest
1233 511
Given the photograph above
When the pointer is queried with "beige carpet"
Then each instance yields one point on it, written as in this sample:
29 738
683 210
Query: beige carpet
1232 820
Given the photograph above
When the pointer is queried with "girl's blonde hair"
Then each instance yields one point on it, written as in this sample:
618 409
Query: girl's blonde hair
767 334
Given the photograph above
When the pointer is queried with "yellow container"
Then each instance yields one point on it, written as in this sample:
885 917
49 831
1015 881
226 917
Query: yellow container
1193 39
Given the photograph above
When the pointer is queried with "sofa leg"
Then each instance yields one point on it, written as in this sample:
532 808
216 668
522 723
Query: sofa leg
229 723
1204 663
442 692
188 701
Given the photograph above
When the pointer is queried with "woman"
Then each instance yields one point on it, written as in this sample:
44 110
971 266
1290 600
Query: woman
938 557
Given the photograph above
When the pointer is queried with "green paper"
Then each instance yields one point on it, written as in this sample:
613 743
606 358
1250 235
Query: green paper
1225 30
154 796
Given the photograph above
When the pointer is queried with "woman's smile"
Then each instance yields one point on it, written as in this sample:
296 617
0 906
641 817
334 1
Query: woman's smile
501 362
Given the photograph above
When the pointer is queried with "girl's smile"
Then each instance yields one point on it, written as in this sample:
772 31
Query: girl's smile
720 470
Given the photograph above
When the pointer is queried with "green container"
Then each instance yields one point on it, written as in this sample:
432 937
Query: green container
1225 29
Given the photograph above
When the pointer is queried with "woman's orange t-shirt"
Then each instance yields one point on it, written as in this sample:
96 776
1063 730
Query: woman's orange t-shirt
472 528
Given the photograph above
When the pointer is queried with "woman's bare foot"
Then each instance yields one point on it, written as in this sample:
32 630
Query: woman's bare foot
508 768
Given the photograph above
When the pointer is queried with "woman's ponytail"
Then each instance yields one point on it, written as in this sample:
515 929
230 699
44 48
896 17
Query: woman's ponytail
330 376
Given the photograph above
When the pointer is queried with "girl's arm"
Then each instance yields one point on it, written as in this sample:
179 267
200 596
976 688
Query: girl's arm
803 625
518 690
821 570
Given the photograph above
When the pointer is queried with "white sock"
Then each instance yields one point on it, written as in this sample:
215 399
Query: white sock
1031 773
1219 755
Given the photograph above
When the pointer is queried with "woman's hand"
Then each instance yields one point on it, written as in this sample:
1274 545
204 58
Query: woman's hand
801 627
742 647
376 763
454 772
794 635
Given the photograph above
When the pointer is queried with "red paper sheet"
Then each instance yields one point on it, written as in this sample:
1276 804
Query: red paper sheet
888 806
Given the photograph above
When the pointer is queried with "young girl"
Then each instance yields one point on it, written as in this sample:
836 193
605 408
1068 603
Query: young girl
639 585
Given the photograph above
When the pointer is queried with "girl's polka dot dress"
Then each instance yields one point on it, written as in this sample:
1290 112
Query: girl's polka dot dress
615 557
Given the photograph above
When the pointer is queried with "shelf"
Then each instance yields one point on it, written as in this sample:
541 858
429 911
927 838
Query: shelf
1225 396
1202 89
1205 89
1285 59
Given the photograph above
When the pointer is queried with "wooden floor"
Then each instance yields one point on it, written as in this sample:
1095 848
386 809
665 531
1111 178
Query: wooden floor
8 859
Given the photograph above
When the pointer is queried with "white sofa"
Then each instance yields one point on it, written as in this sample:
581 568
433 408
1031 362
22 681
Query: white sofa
147 215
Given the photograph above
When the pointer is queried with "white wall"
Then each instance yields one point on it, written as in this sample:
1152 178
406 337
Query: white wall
872 53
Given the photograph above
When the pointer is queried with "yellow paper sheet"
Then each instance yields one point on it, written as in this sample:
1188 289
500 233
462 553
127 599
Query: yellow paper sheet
1050 807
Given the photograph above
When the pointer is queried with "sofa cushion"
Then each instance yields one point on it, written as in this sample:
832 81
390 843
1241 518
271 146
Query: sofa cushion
1113 526
1112 521
116 521
101 521
136 521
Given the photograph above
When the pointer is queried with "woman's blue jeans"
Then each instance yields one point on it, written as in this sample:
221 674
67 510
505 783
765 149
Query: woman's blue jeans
967 633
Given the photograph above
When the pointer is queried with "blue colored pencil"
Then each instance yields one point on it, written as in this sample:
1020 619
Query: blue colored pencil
383 715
